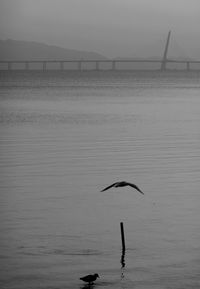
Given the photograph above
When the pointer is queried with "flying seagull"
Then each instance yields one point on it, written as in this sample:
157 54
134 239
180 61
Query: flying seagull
123 184
90 278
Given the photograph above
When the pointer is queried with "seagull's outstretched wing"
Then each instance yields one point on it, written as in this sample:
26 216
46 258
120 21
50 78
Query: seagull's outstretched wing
109 187
135 187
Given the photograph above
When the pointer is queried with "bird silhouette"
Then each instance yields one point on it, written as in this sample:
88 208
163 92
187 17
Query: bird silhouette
123 184
90 278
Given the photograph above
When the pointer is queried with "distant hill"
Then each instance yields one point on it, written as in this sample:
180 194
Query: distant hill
24 50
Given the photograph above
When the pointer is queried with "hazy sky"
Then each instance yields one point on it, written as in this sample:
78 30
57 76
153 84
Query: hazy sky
110 27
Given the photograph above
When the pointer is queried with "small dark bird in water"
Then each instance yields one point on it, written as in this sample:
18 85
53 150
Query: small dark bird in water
90 278
123 184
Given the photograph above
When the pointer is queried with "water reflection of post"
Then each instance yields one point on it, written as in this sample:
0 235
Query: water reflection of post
122 261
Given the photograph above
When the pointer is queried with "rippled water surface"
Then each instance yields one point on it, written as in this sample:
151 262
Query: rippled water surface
63 138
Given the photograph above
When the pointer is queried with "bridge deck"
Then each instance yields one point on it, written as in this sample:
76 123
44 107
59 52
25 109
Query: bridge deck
8 64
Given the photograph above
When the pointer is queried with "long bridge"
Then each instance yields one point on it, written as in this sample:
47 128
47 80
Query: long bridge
112 64
43 64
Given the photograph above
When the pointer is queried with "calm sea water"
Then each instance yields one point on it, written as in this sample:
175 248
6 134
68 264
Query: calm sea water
63 138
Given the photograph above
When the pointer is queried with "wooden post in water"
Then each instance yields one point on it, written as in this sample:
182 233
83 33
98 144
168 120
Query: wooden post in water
122 237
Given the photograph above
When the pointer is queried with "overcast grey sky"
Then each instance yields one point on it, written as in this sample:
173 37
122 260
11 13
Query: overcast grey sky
110 27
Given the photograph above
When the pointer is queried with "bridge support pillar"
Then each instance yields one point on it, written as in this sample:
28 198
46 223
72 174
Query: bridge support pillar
97 65
188 66
9 65
61 65
79 65
26 65
113 65
44 67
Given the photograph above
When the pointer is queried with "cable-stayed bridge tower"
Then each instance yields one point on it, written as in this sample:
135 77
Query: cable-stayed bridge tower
164 59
